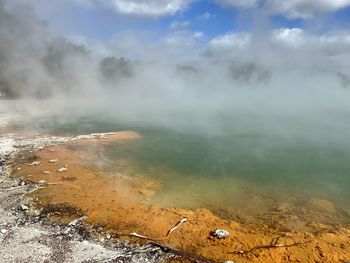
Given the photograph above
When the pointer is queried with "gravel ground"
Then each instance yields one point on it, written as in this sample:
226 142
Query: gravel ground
26 235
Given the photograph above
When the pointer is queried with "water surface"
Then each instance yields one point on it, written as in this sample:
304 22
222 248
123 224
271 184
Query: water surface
235 167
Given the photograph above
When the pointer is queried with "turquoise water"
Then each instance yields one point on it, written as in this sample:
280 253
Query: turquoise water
226 171
242 169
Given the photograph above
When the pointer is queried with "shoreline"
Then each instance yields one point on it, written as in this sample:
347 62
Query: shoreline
29 236
247 243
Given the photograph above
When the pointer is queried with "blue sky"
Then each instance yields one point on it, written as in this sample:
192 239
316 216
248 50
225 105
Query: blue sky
211 17
266 30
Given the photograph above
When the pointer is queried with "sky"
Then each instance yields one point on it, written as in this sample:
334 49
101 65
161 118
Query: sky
197 22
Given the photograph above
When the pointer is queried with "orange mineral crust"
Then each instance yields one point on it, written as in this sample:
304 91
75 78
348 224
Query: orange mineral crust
76 185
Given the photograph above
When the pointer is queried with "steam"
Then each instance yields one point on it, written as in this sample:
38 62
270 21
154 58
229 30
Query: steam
280 81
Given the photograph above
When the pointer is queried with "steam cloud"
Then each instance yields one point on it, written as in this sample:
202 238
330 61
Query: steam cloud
267 75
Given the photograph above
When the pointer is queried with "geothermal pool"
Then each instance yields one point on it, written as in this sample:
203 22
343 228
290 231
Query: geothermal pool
235 172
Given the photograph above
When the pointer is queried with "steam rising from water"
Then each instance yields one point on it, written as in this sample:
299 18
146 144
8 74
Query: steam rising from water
278 82
268 108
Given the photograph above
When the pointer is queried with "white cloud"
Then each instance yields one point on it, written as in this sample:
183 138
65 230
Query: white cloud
304 8
205 16
231 40
289 36
292 47
182 38
340 38
295 38
291 9
198 34
238 3
176 25
142 8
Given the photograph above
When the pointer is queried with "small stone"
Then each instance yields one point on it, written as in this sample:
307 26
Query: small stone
23 183
221 233
3 231
62 170
34 212
46 172
53 160
24 207
108 236
229 261
34 163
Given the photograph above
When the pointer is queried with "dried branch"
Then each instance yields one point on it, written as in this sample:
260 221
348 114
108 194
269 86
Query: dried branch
274 244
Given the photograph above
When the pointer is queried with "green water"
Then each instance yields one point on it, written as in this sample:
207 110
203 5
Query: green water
226 171
242 170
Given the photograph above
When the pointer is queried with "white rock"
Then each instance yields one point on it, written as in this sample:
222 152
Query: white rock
74 222
53 160
46 172
3 231
34 212
36 163
62 170
24 207
221 233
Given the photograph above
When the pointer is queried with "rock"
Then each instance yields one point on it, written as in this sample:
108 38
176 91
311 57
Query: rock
220 233
67 230
34 212
229 261
3 231
24 207
34 163
46 172
62 170
76 221
53 160
108 236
